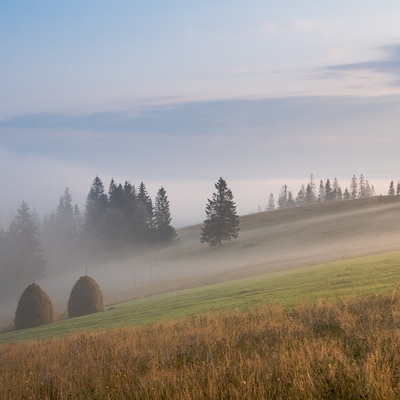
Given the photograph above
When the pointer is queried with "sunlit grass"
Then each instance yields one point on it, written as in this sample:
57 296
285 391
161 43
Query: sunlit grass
330 281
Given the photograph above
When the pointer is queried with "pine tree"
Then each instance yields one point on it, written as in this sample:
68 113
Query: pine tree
144 214
222 222
361 187
346 194
398 189
312 195
353 188
21 256
391 191
271 203
301 196
96 205
321 192
165 232
337 191
328 191
290 201
282 199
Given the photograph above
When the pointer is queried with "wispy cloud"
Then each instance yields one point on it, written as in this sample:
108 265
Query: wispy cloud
389 65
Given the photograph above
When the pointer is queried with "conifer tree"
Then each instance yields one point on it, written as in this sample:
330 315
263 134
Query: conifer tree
301 196
271 203
21 258
361 187
310 195
282 199
346 194
312 190
96 205
391 191
353 188
290 201
398 189
222 222
165 232
328 191
144 213
321 192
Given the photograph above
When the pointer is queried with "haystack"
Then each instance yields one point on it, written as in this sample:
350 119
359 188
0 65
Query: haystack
34 308
86 297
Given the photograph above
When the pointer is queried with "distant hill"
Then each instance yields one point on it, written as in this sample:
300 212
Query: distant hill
274 240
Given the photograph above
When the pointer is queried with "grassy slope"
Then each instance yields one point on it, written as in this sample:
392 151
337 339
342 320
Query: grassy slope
344 278
288 241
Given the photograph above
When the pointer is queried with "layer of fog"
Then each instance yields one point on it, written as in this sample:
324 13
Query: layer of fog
266 243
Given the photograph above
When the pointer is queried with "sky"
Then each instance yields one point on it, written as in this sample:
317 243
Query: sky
177 94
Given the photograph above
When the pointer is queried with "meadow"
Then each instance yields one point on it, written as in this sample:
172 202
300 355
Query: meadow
326 329
348 349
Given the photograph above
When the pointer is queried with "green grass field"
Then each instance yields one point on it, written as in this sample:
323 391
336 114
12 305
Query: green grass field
351 277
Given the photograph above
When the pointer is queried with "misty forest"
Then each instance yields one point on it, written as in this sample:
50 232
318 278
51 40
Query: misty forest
113 225
124 220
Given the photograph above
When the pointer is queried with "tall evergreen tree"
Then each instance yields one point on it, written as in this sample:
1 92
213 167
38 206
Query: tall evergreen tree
271 203
144 214
321 191
310 194
391 191
164 231
346 194
222 222
312 191
301 196
290 200
328 191
21 259
398 189
283 196
353 188
96 205
337 191
361 187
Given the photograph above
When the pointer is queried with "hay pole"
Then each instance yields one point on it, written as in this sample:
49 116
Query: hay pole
9 326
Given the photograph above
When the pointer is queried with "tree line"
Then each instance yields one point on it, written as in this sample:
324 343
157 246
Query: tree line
113 223
326 191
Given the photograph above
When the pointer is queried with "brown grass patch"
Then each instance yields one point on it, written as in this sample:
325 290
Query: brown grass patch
321 351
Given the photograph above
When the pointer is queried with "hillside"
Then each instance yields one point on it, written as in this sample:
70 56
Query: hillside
268 241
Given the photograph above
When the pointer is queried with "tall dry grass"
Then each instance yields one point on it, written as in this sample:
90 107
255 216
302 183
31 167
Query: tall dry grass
346 350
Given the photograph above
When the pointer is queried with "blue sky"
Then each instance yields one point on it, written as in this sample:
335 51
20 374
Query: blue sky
178 94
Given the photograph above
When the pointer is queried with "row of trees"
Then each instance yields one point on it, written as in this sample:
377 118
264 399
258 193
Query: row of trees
327 191
122 219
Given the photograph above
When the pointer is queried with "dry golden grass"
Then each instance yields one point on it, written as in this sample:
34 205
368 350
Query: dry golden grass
344 350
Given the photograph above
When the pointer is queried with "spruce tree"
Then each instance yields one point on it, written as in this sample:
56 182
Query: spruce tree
328 191
321 192
310 195
290 201
353 188
283 196
391 191
96 205
222 222
21 254
144 214
164 231
271 203
301 196
361 187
